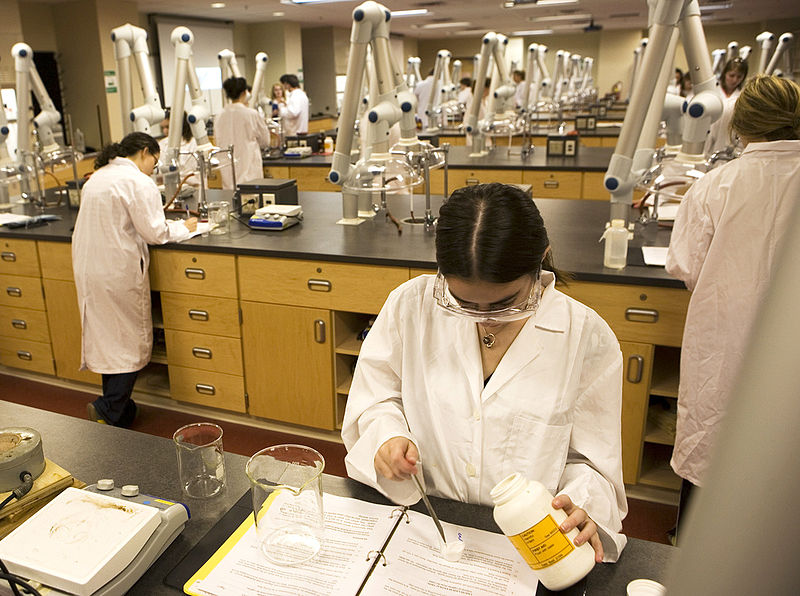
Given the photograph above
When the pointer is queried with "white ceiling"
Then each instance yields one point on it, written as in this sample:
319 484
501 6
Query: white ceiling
482 15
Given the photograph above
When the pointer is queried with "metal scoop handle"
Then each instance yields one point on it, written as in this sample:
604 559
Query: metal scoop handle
429 507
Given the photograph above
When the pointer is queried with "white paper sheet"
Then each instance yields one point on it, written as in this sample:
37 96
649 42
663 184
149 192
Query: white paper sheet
12 218
655 255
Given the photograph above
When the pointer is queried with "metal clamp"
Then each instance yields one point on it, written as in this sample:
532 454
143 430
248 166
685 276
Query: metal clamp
201 353
319 331
205 389
24 355
19 324
16 292
9 256
198 315
319 285
639 362
193 273
641 315
551 183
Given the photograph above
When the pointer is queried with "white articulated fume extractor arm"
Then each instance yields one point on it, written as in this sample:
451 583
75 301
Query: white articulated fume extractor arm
28 81
260 96
186 75
784 42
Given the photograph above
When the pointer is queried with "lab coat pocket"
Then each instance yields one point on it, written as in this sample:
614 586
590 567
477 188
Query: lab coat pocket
536 450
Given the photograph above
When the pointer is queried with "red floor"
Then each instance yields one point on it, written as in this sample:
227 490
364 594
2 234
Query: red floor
645 520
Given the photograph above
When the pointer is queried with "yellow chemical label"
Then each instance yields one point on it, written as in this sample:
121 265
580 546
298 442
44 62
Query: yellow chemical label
543 544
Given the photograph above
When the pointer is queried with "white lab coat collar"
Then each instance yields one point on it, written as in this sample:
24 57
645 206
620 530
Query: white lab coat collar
124 161
787 145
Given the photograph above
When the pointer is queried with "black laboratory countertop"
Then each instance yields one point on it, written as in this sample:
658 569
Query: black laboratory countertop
574 228
91 451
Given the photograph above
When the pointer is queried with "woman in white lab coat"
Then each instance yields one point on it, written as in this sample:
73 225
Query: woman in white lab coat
730 82
486 369
245 129
121 213
725 239
188 146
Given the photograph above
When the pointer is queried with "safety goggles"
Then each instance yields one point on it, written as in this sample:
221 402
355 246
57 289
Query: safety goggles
522 310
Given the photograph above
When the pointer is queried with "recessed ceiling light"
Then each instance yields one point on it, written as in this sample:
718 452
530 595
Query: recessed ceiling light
279 14
409 13
217 5
533 32
446 25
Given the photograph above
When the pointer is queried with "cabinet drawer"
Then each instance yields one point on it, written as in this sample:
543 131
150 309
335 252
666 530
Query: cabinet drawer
23 323
24 292
553 185
56 258
313 178
207 388
206 352
335 286
281 172
30 355
636 313
458 178
593 186
201 314
18 257
193 273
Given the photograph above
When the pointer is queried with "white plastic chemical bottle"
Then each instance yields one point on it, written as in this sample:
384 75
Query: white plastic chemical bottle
522 509
616 249
328 145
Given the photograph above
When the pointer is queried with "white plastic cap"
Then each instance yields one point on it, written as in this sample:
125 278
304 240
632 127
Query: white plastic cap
105 484
617 223
645 587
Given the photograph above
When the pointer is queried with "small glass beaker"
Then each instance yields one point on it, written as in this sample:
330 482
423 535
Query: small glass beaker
201 460
218 217
285 481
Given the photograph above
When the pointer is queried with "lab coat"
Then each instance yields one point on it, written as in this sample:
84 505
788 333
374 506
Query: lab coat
121 213
187 162
465 96
423 92
551 410
294 113
724 243
719 135
245 129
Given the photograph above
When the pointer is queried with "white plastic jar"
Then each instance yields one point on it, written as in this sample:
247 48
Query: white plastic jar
523 510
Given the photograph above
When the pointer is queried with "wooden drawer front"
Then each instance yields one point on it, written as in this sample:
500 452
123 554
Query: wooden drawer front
19 257
193 273
593 186
24 292
553 185
636 313
591 141
56 260
276 172
201 314
206 352
415 272
458 178
30 355
313 178
23 323
459 140
335 286
207 388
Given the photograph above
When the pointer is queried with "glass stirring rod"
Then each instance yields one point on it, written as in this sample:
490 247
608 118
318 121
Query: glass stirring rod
429 507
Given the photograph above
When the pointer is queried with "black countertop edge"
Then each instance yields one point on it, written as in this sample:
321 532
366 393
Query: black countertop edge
455 166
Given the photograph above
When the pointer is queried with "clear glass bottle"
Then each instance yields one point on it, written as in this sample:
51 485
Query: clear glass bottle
615 255
523 510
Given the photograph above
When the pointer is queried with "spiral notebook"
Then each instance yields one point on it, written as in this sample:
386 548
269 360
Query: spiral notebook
369 549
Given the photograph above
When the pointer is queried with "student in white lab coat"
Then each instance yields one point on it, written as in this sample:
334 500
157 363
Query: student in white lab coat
465 91
294 112
121 213
725 239
486 369
730 83
188 145
245 129
423 92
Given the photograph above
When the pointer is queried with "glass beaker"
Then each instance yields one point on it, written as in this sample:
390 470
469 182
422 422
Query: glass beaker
218 217
201 461
285 481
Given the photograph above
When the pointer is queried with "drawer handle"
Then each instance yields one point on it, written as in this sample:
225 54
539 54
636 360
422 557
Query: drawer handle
193 273
23 355
638 361
198 315
471 182
319 285
8 256
19 324
641 315
319 331
201 353
551 183
16 292
205 389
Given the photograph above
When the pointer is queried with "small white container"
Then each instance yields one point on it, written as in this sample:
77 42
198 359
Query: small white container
616 249
524 513
645 587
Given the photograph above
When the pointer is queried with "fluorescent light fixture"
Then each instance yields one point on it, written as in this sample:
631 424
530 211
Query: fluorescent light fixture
555 2
716 7
217 5
409 13
279 14
311 1
561 17
445 25
532 3
532 32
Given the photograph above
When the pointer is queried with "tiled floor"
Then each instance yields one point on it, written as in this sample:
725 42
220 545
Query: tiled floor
645 520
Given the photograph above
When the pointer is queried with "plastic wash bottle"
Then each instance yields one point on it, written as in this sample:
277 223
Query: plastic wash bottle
615 255
522 509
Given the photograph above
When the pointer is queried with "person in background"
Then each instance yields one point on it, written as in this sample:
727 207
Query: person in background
675 86
294 112
726 237
423 92
730 81
519 81
188 145
686 85
465 91
245 129
277 98
121 213
486 369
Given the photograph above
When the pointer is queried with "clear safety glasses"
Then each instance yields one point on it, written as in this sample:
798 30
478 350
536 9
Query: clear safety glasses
524 309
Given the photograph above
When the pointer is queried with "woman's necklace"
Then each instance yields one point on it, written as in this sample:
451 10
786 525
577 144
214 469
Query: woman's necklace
487 339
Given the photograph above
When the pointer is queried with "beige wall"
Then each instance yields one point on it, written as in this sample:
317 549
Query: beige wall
280 40
319 59
38 26
10 33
